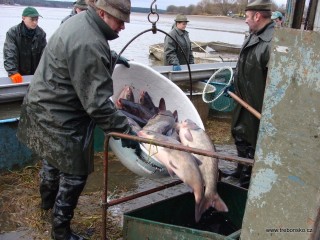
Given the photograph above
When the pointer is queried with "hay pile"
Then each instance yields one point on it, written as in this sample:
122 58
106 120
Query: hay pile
20 207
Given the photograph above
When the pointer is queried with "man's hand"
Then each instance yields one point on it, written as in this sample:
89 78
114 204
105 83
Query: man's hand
16 78
229 88
124 61
176 68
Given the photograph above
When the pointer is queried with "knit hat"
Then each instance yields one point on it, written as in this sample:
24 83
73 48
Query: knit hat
81 4
30 12
259 5
181 18
120 9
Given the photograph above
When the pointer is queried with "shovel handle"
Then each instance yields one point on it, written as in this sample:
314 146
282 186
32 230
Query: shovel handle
245 105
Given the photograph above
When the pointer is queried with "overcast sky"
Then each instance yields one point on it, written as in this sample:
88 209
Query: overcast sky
163 4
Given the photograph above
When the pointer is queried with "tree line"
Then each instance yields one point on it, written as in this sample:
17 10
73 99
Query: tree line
217 7
203 7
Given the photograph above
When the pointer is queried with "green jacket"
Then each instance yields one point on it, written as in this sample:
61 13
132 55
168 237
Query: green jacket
21 53
173 54
250 81
70 94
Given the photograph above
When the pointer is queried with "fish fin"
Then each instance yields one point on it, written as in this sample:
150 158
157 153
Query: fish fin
197 214
219 204
172 165
205 204
188 135
170 171
175 115
162 104
118 104
199 163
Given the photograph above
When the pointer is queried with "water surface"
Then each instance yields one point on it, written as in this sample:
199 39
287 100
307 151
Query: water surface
201 28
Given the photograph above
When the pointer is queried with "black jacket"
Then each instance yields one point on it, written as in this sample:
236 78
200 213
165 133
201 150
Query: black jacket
22 53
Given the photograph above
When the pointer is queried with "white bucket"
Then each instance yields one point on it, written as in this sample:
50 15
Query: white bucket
143 78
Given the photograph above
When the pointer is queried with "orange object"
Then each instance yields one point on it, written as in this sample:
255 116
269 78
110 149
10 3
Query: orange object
16 78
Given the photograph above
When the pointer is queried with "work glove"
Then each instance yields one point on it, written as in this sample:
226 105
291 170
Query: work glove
176 68
229 88
124 61
131 144
16 78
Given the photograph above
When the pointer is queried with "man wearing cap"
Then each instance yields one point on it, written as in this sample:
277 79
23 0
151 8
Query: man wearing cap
23 46
173 54
78 6
277 17
68 96
250 81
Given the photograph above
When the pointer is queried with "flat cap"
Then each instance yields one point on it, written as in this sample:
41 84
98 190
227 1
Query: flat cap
181 18
259 5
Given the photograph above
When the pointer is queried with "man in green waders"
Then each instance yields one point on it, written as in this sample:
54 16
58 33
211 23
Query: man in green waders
250 81
68 96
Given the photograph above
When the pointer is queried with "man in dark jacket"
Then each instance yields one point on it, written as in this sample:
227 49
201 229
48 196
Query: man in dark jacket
78 6
250 81
69 94
173 54
23 46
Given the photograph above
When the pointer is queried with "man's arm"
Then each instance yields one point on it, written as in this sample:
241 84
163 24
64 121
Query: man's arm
11 54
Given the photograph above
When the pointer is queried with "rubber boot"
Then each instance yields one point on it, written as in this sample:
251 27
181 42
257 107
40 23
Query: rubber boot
69 192
49 185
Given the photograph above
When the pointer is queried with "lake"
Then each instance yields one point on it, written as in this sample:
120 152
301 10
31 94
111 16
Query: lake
201 28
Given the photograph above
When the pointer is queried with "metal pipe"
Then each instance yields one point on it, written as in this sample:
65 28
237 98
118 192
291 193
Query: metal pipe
179 147
105 188
140 194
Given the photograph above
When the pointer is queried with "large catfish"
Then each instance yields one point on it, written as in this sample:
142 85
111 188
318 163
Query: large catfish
180 163
192 135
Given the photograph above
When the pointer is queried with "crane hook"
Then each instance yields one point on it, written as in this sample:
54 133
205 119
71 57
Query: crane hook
155 7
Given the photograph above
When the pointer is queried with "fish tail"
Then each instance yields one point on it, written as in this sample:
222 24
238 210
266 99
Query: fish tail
219 204
197 212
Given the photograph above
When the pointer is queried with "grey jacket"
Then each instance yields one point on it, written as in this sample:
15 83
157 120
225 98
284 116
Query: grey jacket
173 54
73 12
22 53
70 94
250 81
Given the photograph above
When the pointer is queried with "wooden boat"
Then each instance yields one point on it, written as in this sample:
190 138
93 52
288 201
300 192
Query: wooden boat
204 52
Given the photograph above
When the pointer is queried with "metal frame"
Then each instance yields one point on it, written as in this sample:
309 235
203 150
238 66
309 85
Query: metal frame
104 202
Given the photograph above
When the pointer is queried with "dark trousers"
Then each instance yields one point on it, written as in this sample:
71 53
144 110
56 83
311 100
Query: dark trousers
245 150
61 192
